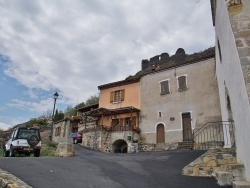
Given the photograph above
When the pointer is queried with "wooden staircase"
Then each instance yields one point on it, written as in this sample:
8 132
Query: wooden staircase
185 145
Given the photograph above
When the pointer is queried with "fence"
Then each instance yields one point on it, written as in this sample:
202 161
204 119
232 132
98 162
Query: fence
214 135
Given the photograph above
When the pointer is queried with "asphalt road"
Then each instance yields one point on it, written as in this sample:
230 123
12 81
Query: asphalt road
101 170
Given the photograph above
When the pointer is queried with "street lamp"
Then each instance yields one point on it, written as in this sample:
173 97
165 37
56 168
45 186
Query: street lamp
51 129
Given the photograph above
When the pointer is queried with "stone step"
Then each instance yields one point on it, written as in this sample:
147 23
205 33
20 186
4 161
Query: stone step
224 178
241 184
237 170
230 167
185 145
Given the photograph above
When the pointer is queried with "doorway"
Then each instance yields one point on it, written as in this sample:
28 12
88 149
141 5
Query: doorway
120 146
160 134
187 128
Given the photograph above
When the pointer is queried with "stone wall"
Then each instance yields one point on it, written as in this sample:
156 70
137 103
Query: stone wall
102 140
92 140
106 141
65 128
213 160
158 147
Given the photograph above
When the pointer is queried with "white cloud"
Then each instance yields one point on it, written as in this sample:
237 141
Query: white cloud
39 106
74 46
4 126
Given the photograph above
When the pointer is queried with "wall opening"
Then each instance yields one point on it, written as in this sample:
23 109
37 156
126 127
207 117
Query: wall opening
160 134
120 146
187 128
228 104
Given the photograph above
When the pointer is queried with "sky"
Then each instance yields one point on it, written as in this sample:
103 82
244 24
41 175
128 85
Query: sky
73 46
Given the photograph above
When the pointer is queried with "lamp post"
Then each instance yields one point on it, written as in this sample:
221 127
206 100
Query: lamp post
51 129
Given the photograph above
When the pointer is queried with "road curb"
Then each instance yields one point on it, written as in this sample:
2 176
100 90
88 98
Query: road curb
8 180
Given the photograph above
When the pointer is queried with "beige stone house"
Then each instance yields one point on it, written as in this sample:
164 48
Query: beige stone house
178 100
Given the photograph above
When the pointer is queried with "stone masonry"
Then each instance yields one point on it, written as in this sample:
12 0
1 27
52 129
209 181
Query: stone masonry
210 162
92 140
239 16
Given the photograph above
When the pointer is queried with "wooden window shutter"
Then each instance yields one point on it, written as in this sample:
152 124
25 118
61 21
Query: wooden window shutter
182 83
164 87
122 94
112 96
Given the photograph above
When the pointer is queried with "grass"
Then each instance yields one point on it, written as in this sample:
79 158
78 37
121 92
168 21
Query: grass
48 149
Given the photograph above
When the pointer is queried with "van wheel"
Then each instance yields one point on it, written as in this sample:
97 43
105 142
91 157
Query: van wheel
12 152
6 153
37 153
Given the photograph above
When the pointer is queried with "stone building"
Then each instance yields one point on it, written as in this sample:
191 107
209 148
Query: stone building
177 97
62 128
232 29
159 107
114 126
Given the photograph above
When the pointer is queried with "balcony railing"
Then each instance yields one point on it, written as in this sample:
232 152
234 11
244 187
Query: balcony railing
92 129
112 129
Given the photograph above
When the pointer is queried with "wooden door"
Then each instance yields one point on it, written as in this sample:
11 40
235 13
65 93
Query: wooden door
160 134
186 123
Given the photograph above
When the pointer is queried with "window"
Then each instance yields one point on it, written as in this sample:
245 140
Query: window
58 131
117 96
182 83
159 115
114 122
127 121
164 87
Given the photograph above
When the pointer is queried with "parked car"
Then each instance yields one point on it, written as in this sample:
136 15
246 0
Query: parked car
77 138
23 141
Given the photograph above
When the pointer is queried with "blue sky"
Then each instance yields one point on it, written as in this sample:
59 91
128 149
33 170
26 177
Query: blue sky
18 103
73 46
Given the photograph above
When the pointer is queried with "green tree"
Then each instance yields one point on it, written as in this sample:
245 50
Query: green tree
70 111
94 99
80 105
58 115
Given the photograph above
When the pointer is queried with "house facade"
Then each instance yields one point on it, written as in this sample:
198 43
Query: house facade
232 29
178 100
116 121
157 108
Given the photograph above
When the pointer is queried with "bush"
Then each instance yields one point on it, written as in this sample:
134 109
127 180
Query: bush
48 149
51 144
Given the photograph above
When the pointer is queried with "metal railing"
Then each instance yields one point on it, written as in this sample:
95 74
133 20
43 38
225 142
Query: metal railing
214 135
92 128
122 128
115 128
